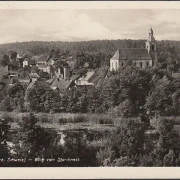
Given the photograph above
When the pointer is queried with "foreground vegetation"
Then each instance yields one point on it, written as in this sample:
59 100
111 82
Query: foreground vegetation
130 143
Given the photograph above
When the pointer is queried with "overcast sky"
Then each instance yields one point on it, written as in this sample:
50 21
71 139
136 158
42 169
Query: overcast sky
80 25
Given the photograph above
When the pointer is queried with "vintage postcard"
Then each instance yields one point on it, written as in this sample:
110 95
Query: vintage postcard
89 84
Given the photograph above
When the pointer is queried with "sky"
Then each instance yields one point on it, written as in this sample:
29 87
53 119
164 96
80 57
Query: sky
83 25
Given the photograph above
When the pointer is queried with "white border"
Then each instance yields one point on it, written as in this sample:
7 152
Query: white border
89 5
89 173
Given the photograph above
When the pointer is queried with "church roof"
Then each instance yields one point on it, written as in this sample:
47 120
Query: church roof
132 54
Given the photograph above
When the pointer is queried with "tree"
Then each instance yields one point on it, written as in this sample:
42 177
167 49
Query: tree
126 143
5 60
4 130
160 97
31 136
5 104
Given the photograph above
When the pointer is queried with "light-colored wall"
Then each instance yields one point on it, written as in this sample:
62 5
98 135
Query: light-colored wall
114 65
145 63
25 63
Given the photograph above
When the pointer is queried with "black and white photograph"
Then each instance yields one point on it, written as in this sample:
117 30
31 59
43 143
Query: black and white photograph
89 87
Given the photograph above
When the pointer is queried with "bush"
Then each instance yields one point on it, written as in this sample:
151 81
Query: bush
62 120
163 125
105 156
43 118
79 118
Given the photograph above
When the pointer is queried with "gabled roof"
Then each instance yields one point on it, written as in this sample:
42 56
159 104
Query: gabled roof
94 80
43 58
35 58
38 83
50 81
132 54
34 75
74 77
31 84
23 79
42 66
9 81
61 84
88 75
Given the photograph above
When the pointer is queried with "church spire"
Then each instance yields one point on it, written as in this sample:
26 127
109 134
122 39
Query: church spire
151 47
151 31
151 42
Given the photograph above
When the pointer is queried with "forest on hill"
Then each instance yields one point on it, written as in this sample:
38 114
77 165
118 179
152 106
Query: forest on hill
165 48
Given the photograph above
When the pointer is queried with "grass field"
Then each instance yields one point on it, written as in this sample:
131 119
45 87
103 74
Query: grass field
64 121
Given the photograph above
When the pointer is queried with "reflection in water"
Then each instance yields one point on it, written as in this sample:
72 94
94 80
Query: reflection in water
62 138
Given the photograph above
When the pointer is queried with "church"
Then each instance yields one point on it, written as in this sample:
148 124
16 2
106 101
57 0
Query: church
140 57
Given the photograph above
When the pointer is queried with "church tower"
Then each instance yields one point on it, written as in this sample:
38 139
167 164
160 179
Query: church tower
151 47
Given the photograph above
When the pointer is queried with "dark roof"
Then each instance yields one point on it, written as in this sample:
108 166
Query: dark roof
23 78
132 54
89 75
42 66
50 81
34 75
43 58
9 81
74 77
35 58
38 83
94 80
61 84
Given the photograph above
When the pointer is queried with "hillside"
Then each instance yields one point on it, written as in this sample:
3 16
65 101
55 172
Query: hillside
166 49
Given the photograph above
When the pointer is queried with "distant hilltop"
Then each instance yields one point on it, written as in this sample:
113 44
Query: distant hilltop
41 47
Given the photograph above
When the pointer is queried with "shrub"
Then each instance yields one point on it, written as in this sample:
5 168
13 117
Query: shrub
79 118
43 118
105 156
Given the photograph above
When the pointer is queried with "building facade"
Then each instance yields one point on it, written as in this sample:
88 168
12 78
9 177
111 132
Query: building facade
140 57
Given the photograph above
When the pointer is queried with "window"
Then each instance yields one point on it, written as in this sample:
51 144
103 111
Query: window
152 47
122 64
116 66
147 64
112 65
141 64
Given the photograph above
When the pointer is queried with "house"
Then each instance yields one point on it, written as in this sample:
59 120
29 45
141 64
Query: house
45 63
90 78
44 68
46 60
50 81
30 61
74 77
62 85
9 81
140 57
12 74
40 83
34 76
24 80
63 72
